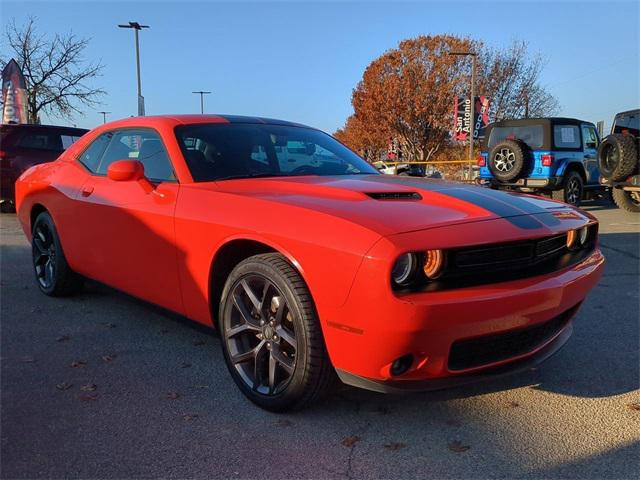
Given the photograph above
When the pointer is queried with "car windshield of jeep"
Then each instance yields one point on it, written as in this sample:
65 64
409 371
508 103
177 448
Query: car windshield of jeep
532 135
231 151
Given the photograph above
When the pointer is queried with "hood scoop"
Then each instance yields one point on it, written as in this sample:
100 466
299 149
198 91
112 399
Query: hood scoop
394 195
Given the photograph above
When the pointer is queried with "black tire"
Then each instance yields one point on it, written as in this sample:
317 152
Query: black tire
508 160
302 373
572 189
625 200
54 277
618 157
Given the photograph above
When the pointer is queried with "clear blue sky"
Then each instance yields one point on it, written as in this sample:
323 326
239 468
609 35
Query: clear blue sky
300 60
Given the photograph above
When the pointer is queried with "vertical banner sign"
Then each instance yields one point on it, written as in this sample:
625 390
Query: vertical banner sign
462 118
14 94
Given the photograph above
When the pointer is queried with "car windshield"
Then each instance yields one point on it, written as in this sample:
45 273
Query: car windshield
532 135
228 151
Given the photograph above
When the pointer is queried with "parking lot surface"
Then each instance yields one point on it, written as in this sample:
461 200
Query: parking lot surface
103 386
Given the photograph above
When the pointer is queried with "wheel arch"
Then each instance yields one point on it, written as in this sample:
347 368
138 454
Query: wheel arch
230 254
573 165
36 209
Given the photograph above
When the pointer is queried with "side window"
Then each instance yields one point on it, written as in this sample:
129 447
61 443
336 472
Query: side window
566 136
91 156
589 137
68 140
143 145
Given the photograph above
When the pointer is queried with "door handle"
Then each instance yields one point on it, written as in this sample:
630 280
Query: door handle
87 190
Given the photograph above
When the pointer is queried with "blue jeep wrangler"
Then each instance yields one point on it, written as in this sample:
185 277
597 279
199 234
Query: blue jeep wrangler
552 156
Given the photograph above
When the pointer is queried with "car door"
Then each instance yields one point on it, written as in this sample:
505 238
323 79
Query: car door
590 143
127 230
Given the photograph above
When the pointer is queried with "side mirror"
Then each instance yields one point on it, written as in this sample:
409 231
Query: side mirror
125 170
130 170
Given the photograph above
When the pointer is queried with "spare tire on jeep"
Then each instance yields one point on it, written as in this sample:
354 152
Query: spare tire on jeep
508 159
617 156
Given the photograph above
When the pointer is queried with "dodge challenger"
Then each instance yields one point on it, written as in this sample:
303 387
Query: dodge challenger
310 264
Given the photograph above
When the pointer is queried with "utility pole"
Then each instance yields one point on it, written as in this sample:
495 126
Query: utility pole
472 120
202 93
104 116
136 28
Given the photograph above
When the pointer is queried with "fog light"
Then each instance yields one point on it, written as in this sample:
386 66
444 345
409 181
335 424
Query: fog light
401 365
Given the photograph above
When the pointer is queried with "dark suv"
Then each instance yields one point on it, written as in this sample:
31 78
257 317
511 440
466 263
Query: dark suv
553 156
22 146
618 161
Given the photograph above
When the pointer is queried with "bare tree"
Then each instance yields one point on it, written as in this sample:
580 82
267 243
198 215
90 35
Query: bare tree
56 74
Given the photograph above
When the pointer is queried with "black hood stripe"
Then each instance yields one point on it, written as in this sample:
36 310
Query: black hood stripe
511 207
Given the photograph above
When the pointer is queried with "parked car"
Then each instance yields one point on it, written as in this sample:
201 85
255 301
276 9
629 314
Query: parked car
390 169
22 146
313 266
619 162
550 156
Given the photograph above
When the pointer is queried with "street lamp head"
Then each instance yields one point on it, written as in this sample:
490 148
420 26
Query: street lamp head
134 25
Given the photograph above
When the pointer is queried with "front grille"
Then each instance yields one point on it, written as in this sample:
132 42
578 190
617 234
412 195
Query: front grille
488 349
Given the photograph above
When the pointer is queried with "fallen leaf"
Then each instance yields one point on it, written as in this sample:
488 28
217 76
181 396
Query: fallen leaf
188 418
394 446
197 343
27 360
351 441
89 387
283 423
185 365
63 338
173 395
633 406
78 363
64 386
513 404
108 358
458 447
89 397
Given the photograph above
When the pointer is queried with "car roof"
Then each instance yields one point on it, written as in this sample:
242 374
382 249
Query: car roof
629 112
37 126
539 120
197 119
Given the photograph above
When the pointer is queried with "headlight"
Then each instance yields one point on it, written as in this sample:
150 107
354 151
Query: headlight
404 268
583 234
433 263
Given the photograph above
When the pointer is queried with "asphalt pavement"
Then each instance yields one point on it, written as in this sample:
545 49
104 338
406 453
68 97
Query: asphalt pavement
104 386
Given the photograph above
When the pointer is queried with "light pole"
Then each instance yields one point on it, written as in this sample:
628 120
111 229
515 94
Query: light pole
137 27
472 120
202 93
104 116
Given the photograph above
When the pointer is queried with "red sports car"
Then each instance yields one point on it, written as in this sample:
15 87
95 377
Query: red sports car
306 259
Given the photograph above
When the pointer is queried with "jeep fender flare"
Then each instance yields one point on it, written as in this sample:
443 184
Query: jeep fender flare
566 164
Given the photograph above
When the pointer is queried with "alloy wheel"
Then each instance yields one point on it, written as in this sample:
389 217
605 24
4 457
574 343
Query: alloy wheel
260 335
44 255
573 191
504 160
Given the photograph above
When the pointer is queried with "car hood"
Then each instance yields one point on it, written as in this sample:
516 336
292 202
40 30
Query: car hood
390 204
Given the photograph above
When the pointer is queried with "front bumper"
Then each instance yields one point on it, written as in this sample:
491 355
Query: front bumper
375 328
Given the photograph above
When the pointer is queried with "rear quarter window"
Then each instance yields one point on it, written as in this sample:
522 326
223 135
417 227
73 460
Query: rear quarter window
41 141
566 136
